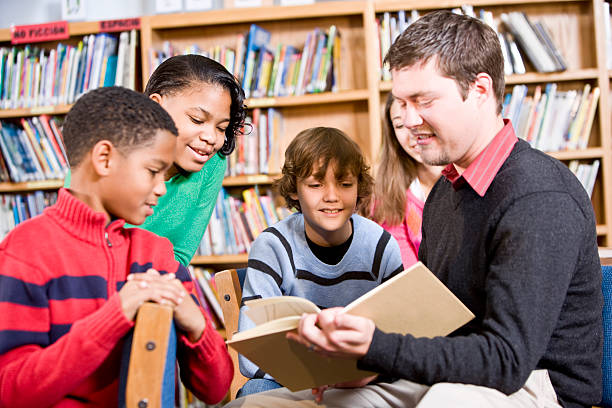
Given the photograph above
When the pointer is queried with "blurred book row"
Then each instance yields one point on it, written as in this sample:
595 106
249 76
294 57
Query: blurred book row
586 173
258 151
32 149
267 70
16 208
520 37
552 120
32 76
236 223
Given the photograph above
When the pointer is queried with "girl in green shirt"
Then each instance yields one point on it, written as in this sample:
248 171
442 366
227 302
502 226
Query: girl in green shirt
207 105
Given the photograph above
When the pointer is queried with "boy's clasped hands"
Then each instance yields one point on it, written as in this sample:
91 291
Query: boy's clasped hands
167 290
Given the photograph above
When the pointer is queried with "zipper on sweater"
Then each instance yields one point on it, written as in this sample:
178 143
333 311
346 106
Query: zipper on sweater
110 244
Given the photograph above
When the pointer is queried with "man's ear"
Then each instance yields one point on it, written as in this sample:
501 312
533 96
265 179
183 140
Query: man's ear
102 156
483 87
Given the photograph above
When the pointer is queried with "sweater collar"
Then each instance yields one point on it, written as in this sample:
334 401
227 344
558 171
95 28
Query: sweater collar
80 220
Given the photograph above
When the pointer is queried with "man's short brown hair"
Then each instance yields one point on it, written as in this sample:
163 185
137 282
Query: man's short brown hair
462 46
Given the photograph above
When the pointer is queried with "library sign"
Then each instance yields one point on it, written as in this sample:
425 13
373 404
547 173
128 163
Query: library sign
125 24
57 30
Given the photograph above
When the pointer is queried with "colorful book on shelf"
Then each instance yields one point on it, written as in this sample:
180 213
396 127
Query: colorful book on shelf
422 306
543 35
575 129
585 133
202 297
326 61
202 277
279 54
257 38
316 63
11 155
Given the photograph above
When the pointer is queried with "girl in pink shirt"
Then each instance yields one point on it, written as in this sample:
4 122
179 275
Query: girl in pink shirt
403 182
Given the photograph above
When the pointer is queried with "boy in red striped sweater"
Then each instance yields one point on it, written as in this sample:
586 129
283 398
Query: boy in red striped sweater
72 279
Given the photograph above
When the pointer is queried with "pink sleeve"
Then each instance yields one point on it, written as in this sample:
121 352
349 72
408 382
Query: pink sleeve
408 233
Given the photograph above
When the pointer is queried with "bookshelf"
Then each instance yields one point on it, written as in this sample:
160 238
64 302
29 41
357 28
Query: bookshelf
577 27
356 107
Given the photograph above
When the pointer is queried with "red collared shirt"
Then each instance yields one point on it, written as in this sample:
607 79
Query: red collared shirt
481 172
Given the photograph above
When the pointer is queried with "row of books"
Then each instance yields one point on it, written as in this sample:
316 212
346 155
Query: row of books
258 150
534 39
32 76
552 120
16 208
586 173
235 224
206 291
267 70
32 149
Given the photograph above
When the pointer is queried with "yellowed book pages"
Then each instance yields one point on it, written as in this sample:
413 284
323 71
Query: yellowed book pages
413 302
264 310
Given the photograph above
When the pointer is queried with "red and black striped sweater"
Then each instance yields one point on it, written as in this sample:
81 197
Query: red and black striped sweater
61 322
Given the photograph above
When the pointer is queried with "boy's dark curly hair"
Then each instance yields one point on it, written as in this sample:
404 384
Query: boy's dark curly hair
126 118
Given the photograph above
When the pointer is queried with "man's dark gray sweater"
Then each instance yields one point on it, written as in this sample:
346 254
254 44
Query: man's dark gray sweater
524 259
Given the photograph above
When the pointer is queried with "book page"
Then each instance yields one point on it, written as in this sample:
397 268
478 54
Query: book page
284 324
267 309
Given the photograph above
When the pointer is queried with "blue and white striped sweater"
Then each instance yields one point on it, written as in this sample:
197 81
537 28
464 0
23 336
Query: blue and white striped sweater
281 263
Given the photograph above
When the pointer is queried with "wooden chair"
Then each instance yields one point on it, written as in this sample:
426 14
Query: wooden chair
229 290
147 378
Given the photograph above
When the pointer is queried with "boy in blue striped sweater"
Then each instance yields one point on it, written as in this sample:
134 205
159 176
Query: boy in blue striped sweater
325 252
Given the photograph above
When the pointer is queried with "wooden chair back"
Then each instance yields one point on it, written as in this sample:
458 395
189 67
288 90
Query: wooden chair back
147 378
229 291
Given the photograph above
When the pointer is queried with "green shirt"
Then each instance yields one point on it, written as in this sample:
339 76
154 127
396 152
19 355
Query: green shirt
182 214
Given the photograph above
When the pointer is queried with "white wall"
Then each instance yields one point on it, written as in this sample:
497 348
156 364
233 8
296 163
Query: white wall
19 12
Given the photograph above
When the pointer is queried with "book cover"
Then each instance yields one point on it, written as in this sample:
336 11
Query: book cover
257 38
428 309
544 36
518 23
585 133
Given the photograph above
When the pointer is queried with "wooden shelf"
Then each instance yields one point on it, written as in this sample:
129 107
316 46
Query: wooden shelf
590 153
394 5
256 14
602 230
251 179
35 111
537 77
220 259
6 187
309 99
246 180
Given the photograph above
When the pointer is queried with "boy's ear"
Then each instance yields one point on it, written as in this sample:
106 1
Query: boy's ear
293 196
101 156
156 97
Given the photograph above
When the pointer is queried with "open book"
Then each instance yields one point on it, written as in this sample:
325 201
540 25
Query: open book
413 302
